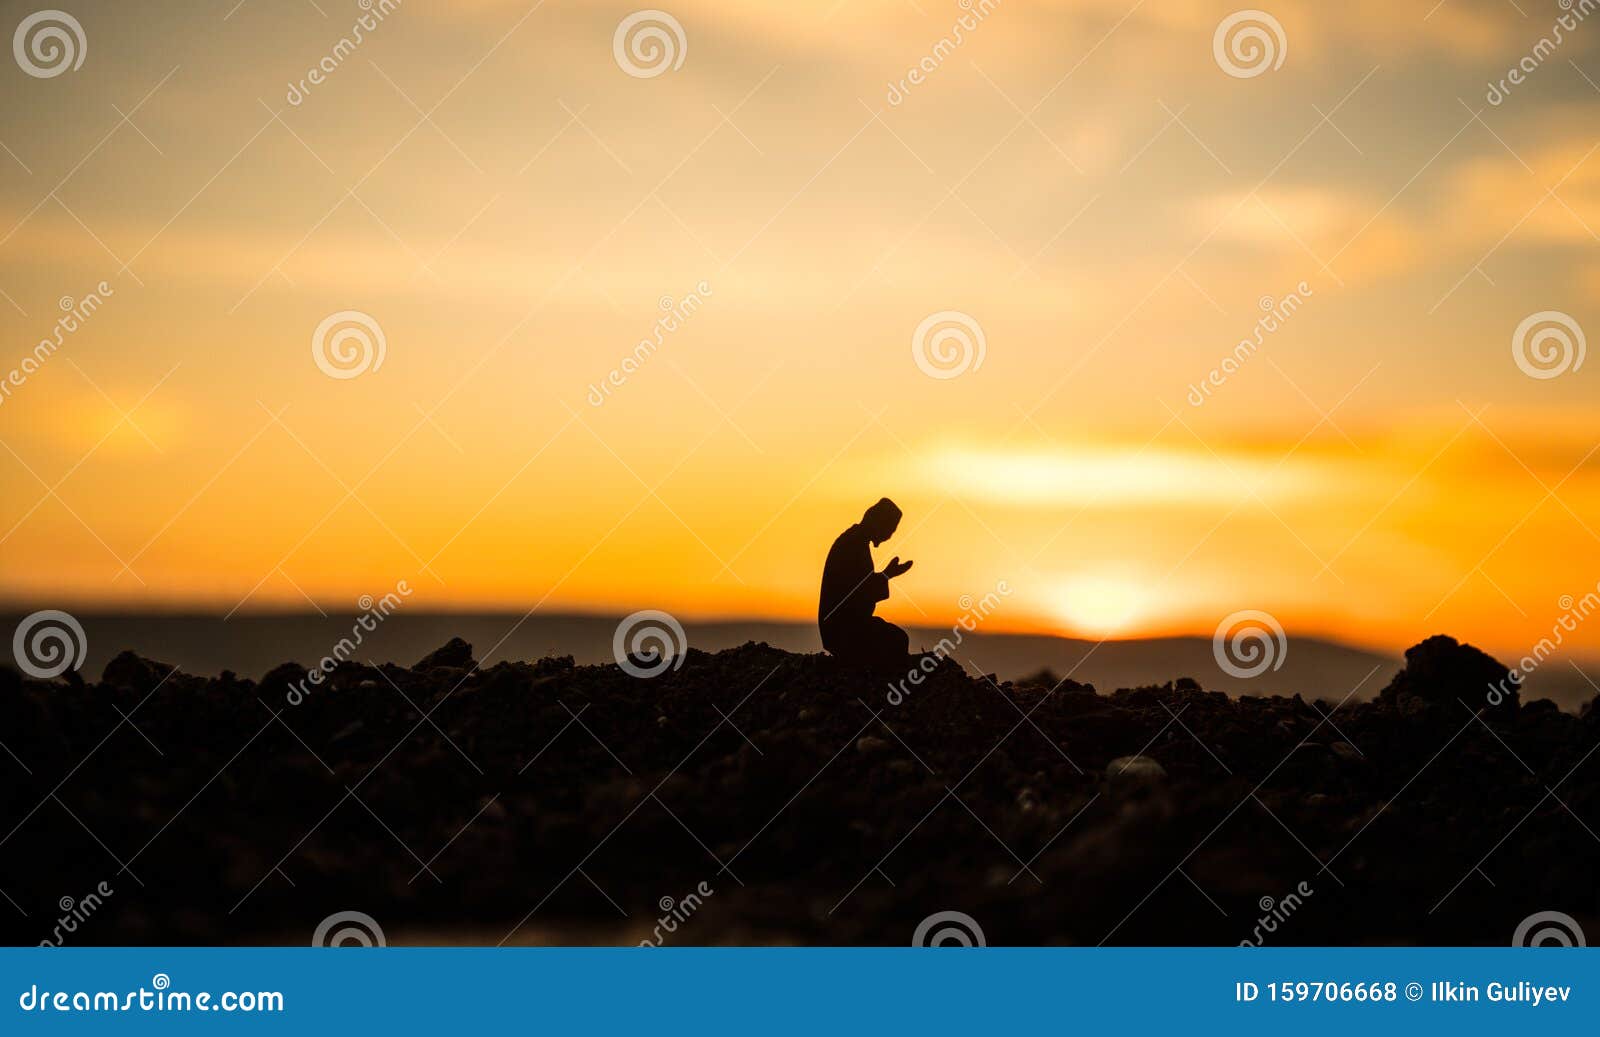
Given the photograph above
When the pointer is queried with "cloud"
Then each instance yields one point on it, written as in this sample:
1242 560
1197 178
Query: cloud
1359 235
1118 476
1505 194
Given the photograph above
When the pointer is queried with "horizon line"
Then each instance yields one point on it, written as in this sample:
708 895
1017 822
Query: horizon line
215 611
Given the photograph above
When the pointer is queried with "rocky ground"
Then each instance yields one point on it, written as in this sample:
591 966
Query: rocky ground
547 801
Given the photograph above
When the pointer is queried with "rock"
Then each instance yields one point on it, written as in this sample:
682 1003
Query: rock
1112 728
281 678
453 654
348 731
1346 751
128 670
1135 770
1309 762
1442 671
869 744
553 664
1045 678
999 876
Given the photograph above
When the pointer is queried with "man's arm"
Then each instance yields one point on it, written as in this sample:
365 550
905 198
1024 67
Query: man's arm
876 586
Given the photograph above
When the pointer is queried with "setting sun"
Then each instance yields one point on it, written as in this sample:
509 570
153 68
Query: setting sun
1100 606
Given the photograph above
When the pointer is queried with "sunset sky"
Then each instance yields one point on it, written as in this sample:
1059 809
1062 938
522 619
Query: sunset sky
1081 178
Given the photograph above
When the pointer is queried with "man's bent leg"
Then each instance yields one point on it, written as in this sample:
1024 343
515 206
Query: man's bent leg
886 644
871 642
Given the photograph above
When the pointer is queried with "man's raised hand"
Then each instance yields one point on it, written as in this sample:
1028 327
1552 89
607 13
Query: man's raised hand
895 567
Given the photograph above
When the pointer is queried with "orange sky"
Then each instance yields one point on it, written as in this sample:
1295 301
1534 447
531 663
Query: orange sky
1080 179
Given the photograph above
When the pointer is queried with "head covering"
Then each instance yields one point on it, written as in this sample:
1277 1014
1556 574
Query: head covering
882 515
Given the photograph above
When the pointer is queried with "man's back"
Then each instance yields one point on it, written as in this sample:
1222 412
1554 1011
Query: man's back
850 588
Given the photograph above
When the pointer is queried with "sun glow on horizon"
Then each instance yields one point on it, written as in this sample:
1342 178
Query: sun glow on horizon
1101 605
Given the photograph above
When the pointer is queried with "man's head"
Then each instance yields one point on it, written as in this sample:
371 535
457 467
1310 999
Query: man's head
881 520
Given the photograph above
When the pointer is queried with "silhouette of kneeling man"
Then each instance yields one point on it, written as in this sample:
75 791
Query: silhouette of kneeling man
851 589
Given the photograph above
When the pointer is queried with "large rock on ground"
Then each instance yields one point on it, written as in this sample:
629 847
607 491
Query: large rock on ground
454 654
129 670
1441 671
